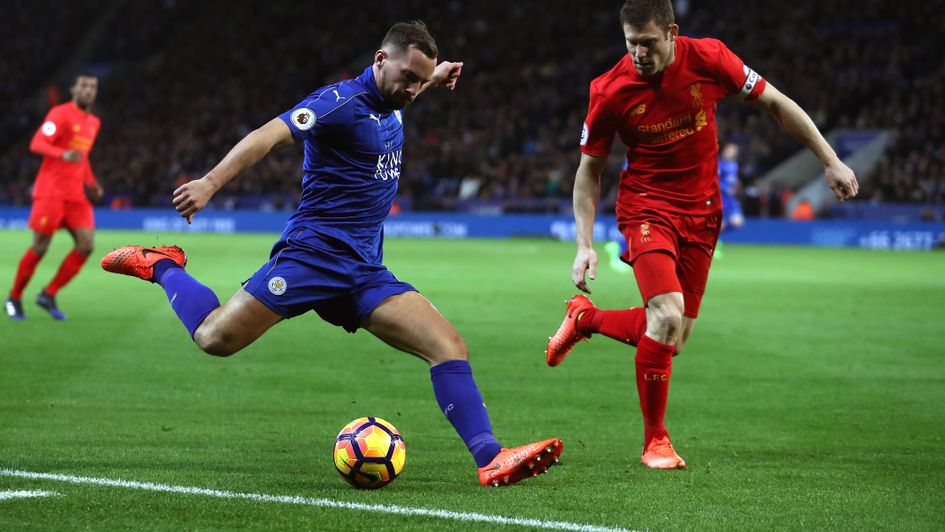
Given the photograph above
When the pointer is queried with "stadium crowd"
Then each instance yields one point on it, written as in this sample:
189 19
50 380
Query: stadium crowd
29 59
178 91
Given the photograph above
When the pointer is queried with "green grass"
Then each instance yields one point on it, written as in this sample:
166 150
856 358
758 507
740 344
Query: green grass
811 395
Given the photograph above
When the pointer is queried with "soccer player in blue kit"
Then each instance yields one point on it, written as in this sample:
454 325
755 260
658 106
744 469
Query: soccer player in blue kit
732 217
329 258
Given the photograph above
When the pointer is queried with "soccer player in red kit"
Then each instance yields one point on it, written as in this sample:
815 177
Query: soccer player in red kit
59 195
661 100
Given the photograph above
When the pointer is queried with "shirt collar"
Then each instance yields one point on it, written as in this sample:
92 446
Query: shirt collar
374 97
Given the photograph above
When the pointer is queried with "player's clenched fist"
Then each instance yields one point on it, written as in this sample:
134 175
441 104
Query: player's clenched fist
842 181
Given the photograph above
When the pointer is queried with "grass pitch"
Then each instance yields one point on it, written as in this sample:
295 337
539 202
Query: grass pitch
811 396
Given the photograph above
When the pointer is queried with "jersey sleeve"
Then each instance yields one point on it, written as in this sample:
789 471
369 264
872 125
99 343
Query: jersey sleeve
312 115
736 77
53 127
597 136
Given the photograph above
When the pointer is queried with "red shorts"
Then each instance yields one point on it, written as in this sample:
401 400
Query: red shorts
689 239
49 214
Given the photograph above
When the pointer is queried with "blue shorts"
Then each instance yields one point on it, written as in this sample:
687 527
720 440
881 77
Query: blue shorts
310 271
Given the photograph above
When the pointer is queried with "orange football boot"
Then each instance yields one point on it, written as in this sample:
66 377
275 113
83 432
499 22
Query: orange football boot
567 336
139 261
659 454
517 463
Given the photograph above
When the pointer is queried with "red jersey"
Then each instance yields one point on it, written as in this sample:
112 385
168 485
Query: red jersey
668 124
66 127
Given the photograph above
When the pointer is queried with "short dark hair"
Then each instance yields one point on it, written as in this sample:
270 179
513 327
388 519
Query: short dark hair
406 34
82 74
639 13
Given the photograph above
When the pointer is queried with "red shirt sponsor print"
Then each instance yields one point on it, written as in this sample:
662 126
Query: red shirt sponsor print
66 127
668 124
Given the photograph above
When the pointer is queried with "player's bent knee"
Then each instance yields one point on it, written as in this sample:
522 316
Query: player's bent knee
40 249
212 342
665 320
451 347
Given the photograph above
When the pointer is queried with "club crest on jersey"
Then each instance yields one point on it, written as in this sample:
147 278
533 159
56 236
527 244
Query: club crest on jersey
49 128
277 286
303 118
695 90
645 233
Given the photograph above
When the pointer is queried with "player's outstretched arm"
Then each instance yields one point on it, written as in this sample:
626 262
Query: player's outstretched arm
194 195
42 141
794 120
446 74
586 201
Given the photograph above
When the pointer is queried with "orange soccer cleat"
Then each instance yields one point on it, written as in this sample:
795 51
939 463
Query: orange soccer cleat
567 336
659 454
517 463
139 261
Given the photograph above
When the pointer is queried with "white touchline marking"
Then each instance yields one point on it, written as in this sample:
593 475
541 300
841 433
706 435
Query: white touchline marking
24 494
327 503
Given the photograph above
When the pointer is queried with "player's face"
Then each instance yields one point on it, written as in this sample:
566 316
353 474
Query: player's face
651 47
84 91
401 73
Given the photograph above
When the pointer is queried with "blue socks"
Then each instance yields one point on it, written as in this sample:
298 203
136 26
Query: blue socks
459 399
453 385
191 301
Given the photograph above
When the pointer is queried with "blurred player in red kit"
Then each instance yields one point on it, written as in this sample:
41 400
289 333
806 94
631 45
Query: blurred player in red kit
661 100
60 194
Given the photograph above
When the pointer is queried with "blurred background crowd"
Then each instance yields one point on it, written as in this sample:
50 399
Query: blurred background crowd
180 82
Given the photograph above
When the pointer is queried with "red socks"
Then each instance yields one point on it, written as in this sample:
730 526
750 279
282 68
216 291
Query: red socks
67 270
24 272
625 326
654 360
654 363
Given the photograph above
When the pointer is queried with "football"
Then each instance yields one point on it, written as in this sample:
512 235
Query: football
369 453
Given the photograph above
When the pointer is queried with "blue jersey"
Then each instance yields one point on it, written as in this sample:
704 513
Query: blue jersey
353 150
728 177
728 182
